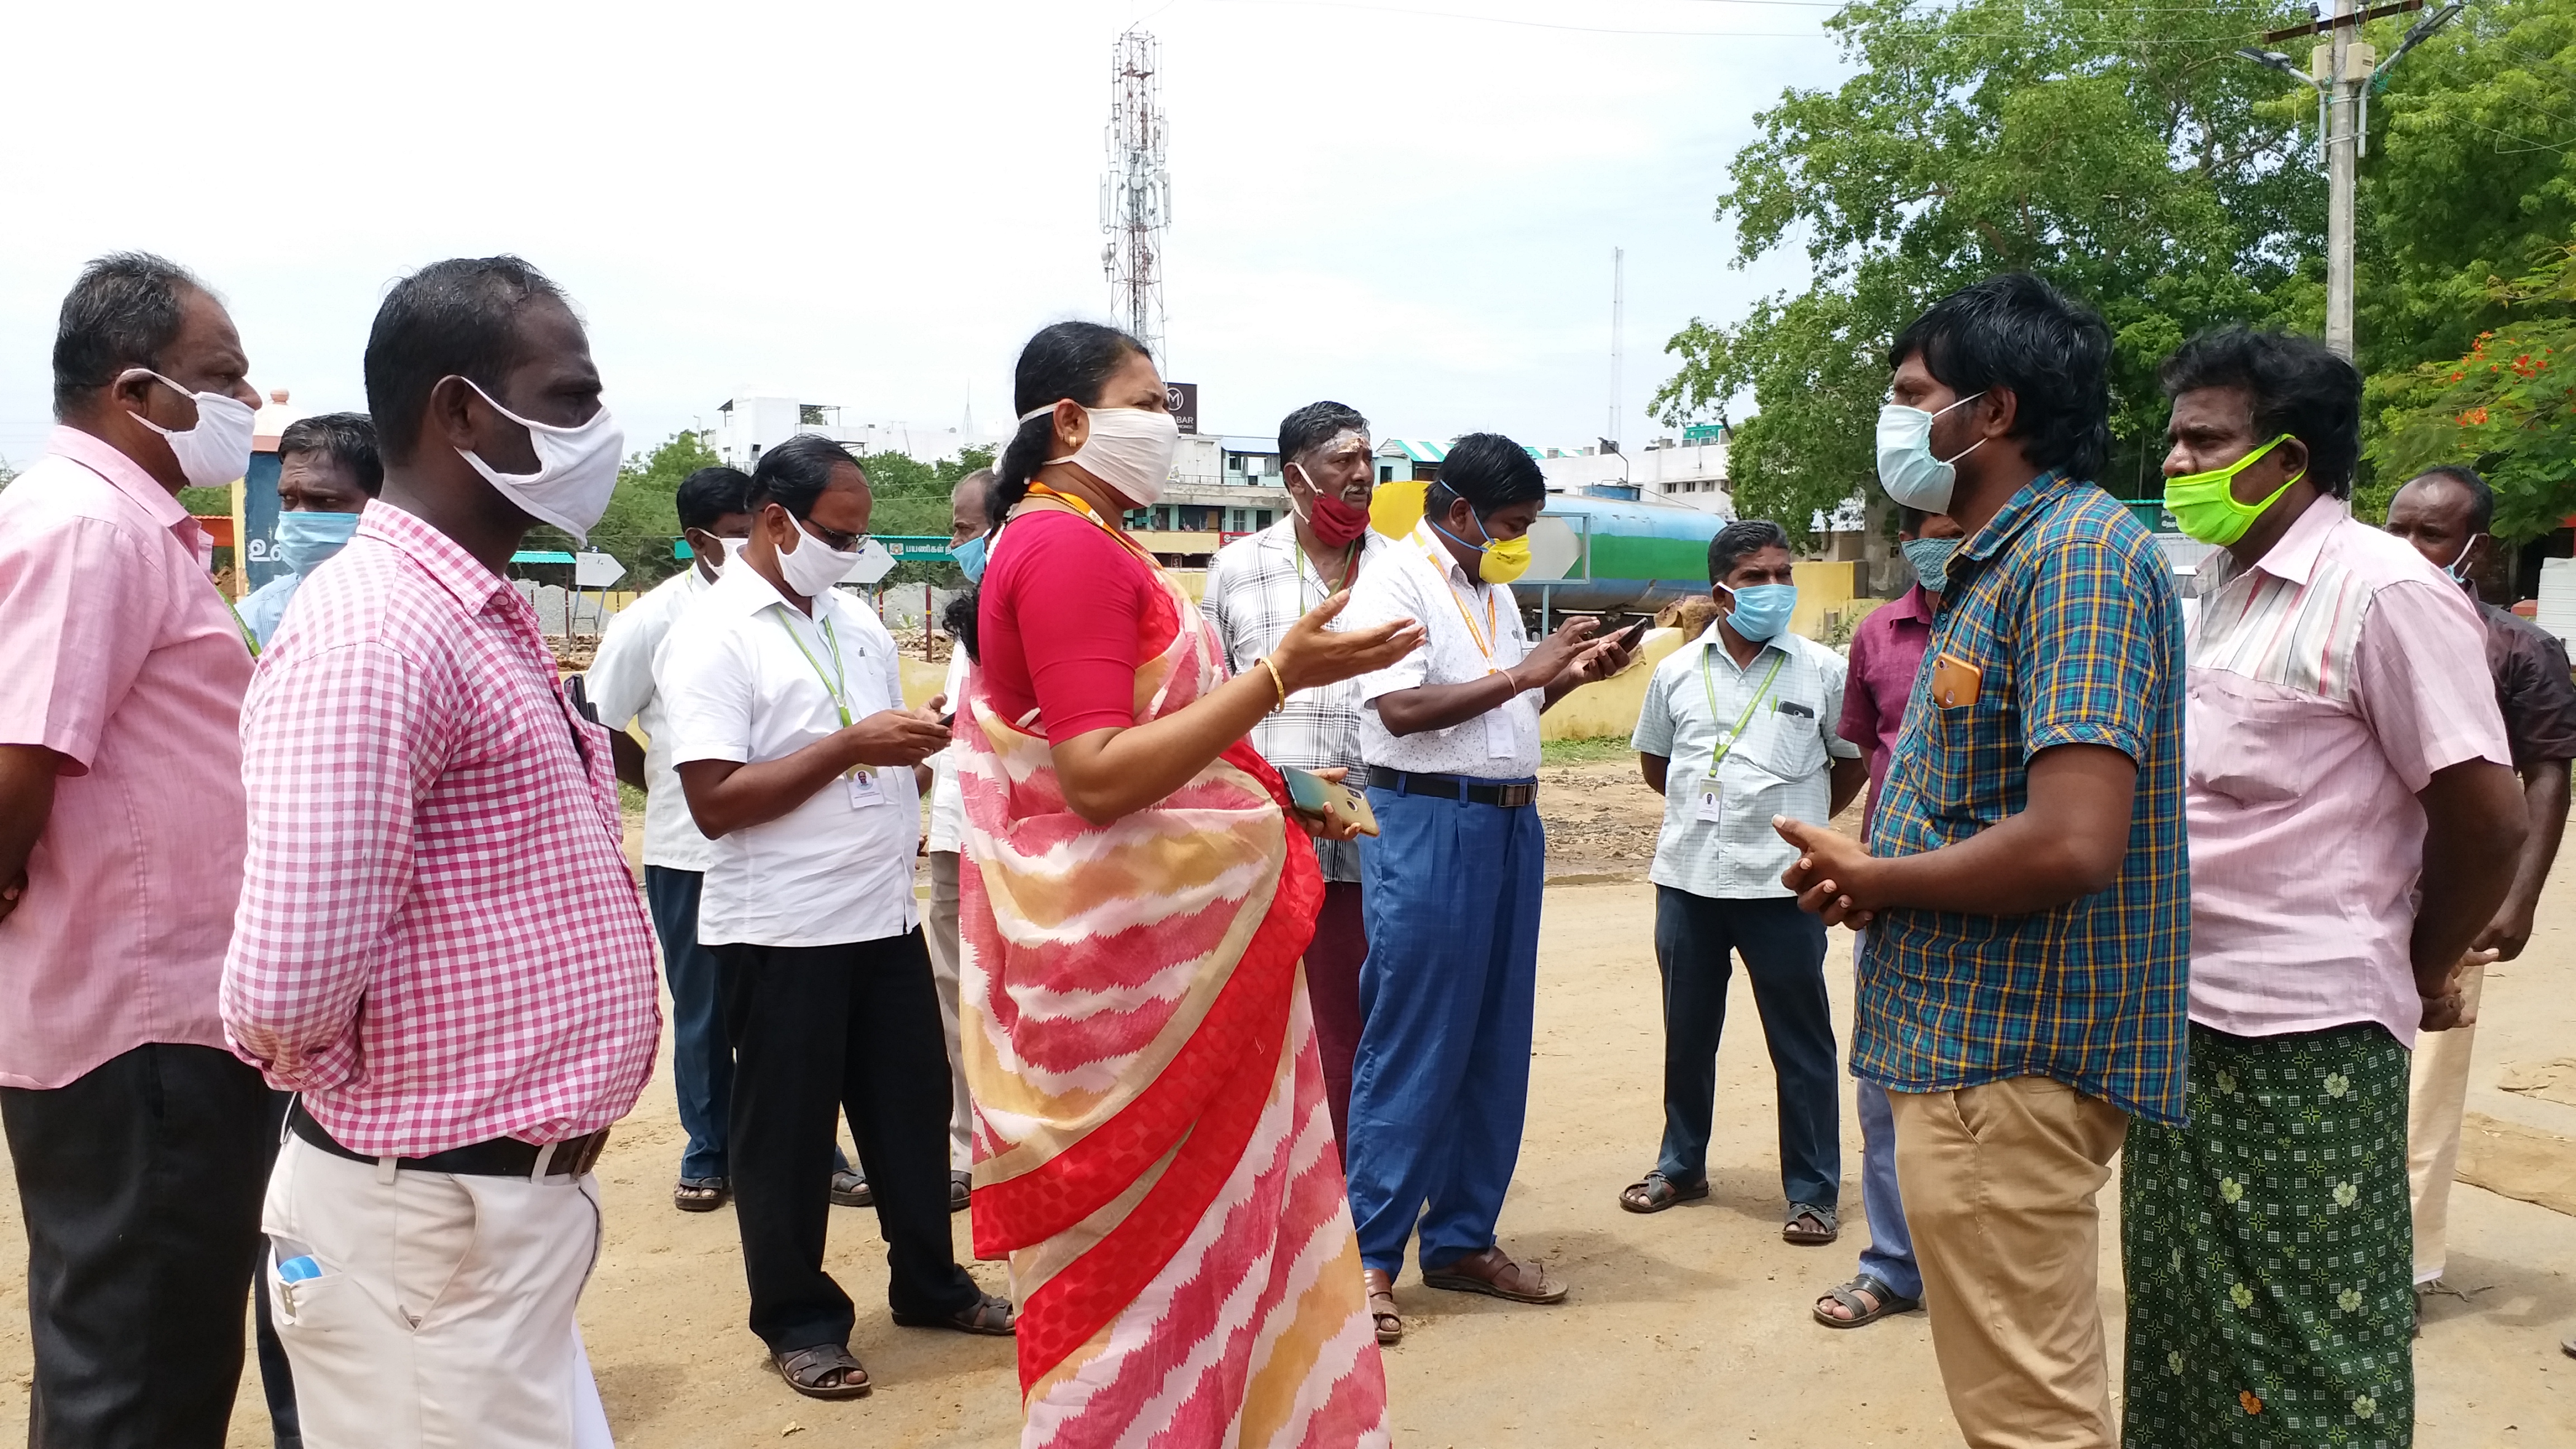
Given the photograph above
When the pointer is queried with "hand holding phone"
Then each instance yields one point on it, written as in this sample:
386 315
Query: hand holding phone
1342 811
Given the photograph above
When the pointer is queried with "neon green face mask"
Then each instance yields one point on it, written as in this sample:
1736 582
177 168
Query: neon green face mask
2204 505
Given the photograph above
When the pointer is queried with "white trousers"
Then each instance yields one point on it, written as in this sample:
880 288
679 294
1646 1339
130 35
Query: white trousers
2437 1098
443 1314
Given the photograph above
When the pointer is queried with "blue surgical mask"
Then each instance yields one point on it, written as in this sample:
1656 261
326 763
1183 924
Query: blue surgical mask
1931 560
1762 610
970 558
306 538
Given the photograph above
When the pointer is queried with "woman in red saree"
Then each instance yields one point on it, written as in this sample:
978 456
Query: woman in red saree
1153 1151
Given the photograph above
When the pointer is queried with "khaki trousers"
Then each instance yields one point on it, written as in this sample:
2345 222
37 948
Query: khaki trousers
1999 1182
444 1311
2437 1097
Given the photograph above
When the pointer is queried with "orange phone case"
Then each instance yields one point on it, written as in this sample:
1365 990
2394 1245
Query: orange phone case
1955 682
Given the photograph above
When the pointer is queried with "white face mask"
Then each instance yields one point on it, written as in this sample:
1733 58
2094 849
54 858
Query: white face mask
217 450
1912 477
1130 449
576 469
812 566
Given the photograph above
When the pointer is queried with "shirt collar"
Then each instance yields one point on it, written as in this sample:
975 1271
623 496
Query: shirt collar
1914 603
2018 513
446 560
121 472
2294 556
1711 641
745 592
1426 542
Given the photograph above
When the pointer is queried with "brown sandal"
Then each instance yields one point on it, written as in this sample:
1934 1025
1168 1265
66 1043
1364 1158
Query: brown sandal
1381 1306
1494 1274
1658 1192
825 1371
987 1315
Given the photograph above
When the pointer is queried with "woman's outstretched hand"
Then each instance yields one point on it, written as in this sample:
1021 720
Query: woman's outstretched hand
1310 654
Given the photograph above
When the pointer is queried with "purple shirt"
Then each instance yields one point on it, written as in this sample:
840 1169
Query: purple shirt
124 660
1886 654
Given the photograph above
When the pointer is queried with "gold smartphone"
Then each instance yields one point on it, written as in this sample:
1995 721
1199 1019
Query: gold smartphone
1955 681
1329 800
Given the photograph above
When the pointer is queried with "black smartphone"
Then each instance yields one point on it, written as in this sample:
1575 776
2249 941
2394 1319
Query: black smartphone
1627 638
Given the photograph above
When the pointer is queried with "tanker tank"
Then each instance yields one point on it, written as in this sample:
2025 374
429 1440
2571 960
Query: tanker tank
1591 555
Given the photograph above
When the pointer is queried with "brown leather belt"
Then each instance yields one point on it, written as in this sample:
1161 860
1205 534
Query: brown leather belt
498 1157
1450 787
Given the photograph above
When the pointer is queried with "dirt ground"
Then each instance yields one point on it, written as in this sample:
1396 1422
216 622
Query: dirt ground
1689 1326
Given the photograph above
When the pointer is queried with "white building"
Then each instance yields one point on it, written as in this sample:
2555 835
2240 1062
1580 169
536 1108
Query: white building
749 424
1691 474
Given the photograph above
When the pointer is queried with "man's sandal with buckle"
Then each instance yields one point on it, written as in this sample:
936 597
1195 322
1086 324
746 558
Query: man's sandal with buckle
825 1371
1494 1274
1381 1306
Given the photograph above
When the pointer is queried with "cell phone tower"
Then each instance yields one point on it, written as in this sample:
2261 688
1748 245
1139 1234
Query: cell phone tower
1136 193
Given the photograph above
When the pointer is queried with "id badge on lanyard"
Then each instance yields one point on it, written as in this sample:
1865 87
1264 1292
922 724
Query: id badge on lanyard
864 789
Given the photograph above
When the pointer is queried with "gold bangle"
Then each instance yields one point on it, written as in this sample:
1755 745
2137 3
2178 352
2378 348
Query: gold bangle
1276 683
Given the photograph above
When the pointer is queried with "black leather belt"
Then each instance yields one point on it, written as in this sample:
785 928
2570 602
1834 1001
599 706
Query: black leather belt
1450 787
499 1157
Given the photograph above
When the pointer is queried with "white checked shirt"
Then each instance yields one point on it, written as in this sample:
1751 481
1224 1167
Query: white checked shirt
740 678
1777 765
1258 586
438 940
622 690
1456 613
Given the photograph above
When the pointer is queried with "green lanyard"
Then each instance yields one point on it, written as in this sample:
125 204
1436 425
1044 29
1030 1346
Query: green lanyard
242 624
1746 718
835 684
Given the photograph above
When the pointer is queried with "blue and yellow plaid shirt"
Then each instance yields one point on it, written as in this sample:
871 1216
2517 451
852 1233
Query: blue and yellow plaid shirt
2064 603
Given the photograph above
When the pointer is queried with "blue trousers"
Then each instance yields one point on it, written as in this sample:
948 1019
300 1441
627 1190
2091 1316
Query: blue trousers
1440 1084
701 1060
1890 1255
1696 940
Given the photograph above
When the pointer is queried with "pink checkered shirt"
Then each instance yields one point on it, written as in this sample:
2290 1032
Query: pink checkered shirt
439 942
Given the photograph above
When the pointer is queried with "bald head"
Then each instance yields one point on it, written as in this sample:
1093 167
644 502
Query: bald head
2446 513
970 506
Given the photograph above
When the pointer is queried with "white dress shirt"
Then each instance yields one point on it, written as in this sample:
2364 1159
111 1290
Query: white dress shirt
742 677
947 801
1472 630
621 688
1789 704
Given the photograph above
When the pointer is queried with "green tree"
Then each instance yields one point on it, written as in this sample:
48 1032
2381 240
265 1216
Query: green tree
643 519
912 501
2119 150
2506 406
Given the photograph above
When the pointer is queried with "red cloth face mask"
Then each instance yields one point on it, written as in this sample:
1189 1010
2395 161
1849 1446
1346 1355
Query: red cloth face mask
1335 522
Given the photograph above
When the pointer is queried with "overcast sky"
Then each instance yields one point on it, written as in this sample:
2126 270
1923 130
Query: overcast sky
1395 204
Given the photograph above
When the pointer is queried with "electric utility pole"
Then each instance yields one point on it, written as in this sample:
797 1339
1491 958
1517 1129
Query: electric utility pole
2344 70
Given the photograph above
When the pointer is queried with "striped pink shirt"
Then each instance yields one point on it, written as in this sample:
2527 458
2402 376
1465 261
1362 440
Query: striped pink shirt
2329 682
117 654
439 941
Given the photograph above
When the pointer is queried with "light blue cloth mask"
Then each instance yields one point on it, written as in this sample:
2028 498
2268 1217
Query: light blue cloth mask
305 538
1931 560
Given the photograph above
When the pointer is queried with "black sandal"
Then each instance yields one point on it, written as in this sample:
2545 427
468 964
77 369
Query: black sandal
700 1194
959 1186
1658 1192
1848 1296
987 1315
1827 1226
851 1190
825 1371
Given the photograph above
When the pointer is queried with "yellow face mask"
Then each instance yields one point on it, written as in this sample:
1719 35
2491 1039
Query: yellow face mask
1502 559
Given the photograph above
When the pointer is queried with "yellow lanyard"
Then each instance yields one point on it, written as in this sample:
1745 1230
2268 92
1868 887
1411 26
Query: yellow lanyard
1728 743
1087 511
1490 630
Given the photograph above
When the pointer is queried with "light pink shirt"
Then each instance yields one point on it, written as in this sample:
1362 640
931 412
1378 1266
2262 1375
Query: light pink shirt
120 656
439 940
2328 684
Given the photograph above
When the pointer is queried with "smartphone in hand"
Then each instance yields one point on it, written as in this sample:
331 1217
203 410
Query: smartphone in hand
1328 800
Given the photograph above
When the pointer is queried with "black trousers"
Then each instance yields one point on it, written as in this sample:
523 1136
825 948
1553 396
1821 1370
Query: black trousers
852 1028
141 1185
